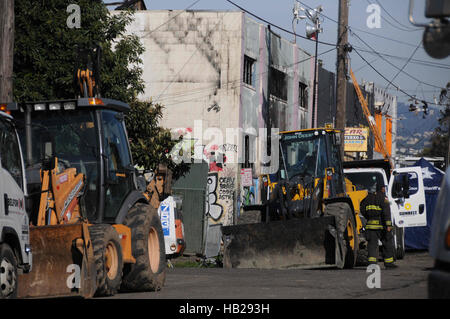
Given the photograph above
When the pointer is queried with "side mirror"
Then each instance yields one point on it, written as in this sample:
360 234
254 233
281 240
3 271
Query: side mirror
337 139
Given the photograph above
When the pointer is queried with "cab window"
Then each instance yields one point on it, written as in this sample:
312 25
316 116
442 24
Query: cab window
10 152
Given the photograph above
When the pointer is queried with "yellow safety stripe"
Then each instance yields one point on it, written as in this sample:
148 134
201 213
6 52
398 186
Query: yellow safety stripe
373 222
389 260
372 259
374 227
388 223
373 207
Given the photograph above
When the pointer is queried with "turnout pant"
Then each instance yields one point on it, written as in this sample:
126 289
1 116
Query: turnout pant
372 246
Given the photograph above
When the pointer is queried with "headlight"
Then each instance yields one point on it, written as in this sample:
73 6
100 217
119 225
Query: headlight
54 106
39 107
69 105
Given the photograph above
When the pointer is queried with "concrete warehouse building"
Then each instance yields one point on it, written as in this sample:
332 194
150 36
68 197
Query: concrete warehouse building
226 71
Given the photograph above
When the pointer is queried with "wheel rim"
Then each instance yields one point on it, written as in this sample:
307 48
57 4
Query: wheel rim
153 250
111 261
7 278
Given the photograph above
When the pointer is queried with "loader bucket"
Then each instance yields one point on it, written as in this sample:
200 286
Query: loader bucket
297 243
62 263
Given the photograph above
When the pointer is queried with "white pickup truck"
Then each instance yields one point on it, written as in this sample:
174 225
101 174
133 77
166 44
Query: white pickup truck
404 190
15 250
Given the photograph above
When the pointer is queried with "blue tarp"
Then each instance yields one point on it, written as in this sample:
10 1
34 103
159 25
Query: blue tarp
419 237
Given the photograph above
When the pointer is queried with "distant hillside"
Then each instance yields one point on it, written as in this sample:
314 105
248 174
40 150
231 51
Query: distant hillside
413 130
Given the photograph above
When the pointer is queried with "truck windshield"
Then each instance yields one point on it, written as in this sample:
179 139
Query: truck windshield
303 153
73 140
363 180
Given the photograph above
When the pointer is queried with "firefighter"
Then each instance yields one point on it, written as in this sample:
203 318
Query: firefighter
375 208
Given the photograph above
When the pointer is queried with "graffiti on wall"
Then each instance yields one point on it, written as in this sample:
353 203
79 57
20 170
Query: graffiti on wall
221 196
213 209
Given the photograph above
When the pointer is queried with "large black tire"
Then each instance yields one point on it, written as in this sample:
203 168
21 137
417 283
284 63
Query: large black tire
8 272
148 248
108 258
345 223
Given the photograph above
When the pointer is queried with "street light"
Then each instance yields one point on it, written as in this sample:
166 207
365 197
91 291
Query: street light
312 32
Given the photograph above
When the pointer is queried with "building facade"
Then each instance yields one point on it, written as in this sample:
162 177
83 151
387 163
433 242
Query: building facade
225 81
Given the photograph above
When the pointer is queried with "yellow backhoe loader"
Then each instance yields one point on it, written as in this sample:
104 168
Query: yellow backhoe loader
93 230
311 219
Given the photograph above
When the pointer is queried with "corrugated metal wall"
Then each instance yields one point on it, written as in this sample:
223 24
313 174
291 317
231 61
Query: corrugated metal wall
193 189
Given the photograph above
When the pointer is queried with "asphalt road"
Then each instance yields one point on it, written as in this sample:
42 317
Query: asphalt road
409 281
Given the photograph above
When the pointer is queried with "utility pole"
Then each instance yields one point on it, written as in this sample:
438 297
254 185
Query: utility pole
341 70
6 49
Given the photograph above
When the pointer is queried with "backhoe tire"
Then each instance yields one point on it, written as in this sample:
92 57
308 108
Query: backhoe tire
8 272
108 258
345 223
148 248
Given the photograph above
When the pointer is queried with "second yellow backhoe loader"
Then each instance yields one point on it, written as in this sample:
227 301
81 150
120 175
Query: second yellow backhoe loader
93 231
311 218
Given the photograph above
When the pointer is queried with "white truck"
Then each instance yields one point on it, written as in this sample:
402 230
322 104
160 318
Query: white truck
404 190
15 250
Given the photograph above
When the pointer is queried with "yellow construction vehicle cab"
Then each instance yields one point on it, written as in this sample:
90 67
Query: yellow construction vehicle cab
310 218
86 209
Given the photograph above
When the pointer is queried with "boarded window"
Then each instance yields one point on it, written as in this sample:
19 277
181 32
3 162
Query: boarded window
278 84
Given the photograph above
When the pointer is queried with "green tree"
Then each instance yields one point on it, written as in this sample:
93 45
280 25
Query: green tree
45 52
150 143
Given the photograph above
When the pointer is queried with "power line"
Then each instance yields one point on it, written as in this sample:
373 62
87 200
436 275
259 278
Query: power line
278 27
422 62
364 31
416 61
387 80
404 27
403 67
404 72
173 17
234 83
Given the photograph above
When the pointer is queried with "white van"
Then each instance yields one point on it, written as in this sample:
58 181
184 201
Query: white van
404 190
15 250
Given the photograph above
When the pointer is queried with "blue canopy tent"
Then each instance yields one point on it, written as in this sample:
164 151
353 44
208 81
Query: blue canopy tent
418 237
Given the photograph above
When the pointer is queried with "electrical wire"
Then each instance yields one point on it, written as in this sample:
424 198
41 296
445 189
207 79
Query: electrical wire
402 28
234 84
278 27
173 17
416 61
390 63
403 67
387 80
364 31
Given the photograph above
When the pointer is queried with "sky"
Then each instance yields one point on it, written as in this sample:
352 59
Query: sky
395 38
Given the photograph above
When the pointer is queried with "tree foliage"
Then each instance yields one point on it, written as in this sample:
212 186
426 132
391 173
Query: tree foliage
45 52
150 143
